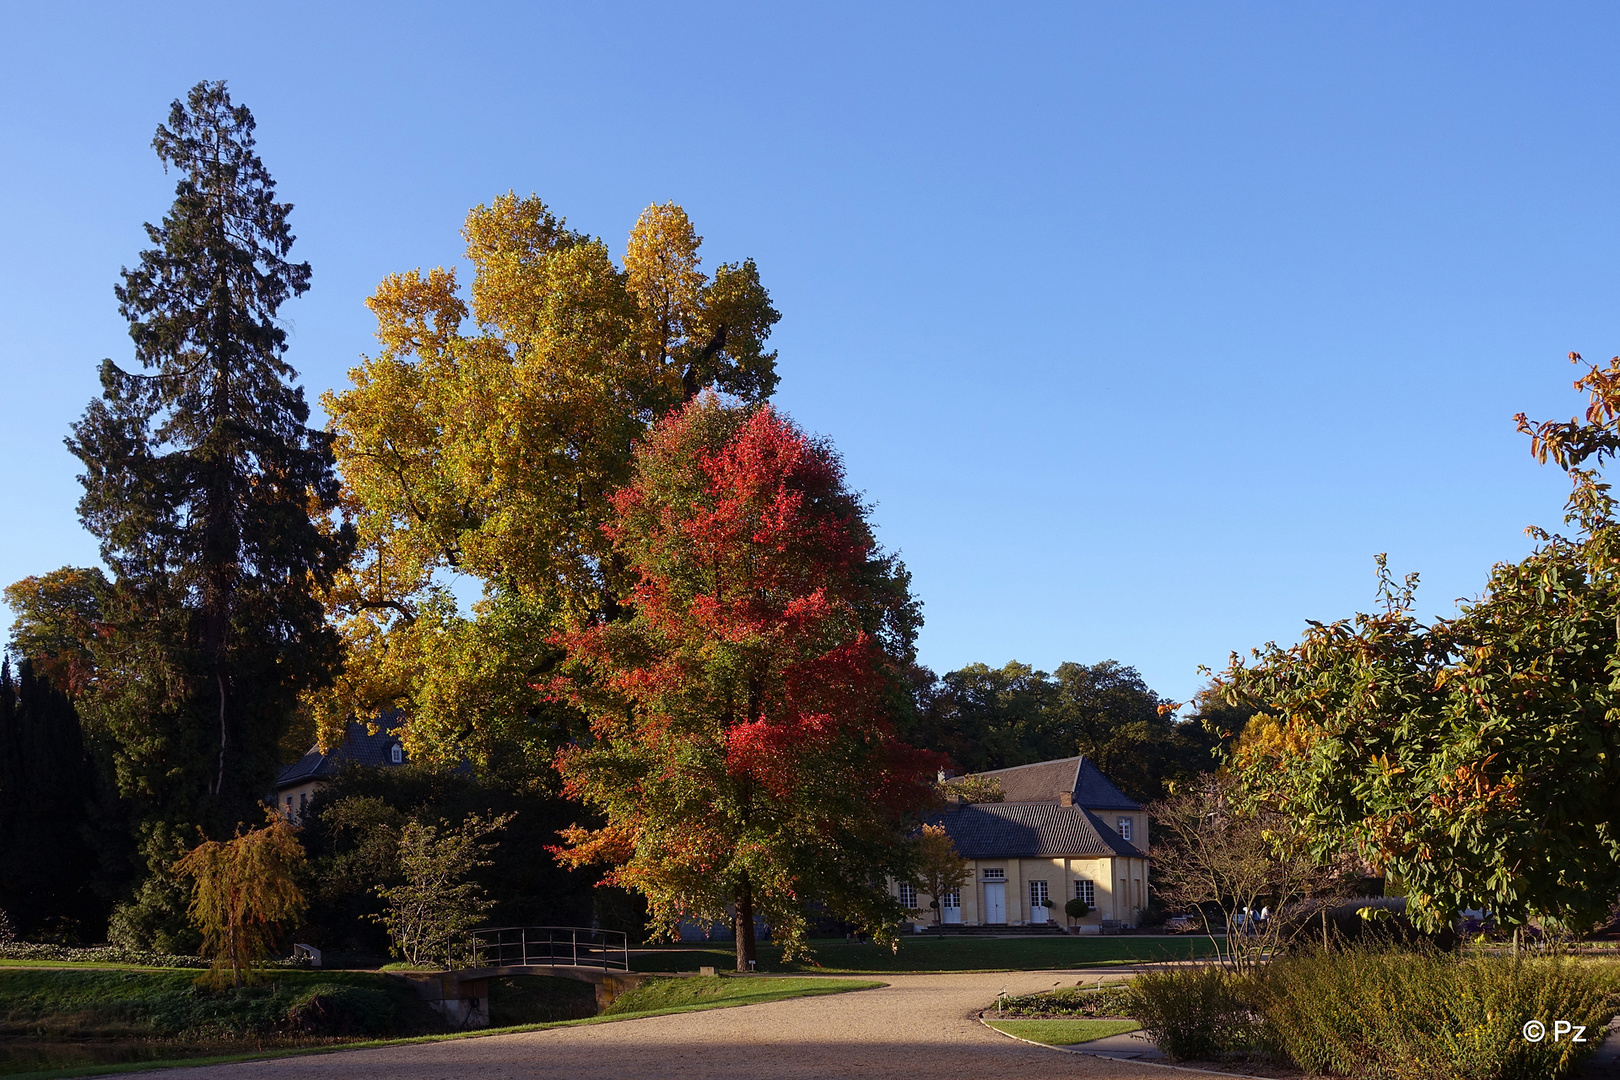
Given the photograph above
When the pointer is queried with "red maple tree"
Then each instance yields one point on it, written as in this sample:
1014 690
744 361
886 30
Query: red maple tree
743 752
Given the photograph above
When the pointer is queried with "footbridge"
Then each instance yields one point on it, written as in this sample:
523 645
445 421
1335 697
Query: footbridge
586 954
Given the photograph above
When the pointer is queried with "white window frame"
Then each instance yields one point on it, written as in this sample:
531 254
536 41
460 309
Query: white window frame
396 754
951 899
1125 829
994 873
1038 892
908 895
1086 889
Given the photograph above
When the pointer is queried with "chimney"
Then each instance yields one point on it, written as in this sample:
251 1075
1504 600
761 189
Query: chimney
1065 798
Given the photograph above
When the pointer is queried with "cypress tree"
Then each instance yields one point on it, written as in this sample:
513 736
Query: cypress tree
212 499
46 789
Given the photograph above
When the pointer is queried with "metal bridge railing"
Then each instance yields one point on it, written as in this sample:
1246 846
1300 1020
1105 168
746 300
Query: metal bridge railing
544 946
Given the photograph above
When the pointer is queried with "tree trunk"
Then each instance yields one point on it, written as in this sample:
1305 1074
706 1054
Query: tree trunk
745 925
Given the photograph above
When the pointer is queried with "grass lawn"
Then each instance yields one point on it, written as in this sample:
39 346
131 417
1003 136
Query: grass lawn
838 956
106 1021
1064 1032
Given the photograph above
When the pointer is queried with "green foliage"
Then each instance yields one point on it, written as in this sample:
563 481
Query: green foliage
48 789
351 831
1079 1000
437 902
1414 1016
212 499
993 718
169 1005
1475 759
57 619
1077 908
1194 1014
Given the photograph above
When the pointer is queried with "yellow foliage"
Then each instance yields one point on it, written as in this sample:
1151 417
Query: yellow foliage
243 892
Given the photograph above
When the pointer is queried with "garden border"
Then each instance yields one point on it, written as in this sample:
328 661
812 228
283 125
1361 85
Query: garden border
1112 1057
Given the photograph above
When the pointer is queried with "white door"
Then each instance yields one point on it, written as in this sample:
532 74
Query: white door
951 905
995 901
1037 901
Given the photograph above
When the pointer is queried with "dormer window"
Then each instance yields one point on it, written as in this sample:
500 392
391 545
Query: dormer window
397 755
1124 828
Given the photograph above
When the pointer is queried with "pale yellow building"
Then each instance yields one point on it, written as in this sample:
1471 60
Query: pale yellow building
1063 831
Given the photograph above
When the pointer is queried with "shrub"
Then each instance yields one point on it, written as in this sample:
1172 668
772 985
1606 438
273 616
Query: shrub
1195 1013
1076 1001
1387 1015
336 1009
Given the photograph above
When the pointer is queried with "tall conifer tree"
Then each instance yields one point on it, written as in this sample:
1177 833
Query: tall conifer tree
212 499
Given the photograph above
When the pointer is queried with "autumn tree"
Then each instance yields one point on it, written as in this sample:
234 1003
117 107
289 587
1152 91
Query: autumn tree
742 752
940 868
486 438
243 894
1473 760
211 498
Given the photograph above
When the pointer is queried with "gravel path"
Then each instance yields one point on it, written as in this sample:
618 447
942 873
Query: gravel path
917 1026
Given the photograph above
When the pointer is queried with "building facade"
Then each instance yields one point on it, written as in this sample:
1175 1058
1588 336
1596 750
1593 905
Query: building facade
1062 831
298 782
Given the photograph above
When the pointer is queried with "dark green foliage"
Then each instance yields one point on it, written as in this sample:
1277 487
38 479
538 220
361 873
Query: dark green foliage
351 832
993 718
1079 1000
169 1004
47 791
211 497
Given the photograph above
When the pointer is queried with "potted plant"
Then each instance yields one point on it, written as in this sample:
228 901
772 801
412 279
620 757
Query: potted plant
1076 908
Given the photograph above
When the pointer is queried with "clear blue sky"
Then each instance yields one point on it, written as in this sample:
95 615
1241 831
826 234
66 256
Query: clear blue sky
1145 326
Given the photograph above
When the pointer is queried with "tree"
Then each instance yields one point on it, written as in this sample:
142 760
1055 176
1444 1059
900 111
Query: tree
58 619
437 903
993 718
940 869
243 894
742 746
211 498
47 790
1473 760
487 436
1213 851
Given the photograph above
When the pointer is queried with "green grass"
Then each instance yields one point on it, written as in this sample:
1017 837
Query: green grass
654 998
1064 1032
658 996
836 956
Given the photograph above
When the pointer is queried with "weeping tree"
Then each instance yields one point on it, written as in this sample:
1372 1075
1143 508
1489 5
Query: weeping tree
244 892
212 499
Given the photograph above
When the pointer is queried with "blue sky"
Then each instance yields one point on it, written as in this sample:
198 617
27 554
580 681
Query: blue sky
1145 326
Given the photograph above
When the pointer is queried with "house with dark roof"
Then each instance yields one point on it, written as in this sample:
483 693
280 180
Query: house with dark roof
299 782
1063 830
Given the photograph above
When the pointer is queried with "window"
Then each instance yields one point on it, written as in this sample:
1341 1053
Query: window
908 895
1037 896
303 802
1124 828
1085 890
398 756
994 873
952 899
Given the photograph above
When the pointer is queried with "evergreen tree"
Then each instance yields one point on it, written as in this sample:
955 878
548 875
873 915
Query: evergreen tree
46 789
212 500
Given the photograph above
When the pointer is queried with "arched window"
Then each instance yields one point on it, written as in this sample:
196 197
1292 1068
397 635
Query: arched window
396 753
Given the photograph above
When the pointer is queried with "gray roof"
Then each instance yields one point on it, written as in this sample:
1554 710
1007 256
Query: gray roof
359 747
1031 830
1046 781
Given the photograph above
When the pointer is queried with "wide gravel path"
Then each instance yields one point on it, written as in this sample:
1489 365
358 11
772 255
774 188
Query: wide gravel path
917 1026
